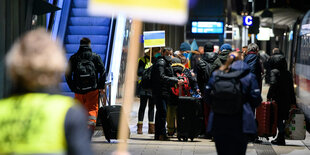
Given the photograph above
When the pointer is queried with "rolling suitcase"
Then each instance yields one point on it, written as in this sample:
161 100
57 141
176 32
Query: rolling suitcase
189 118
266 115
295 126
110 121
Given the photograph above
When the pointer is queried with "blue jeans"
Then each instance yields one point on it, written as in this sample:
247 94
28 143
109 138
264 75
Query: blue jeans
161 115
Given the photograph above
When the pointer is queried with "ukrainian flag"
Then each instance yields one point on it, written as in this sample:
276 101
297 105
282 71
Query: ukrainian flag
154 39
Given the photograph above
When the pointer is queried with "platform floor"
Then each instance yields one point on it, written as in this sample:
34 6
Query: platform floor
145 145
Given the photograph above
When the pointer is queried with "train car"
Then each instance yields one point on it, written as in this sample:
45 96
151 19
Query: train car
301 64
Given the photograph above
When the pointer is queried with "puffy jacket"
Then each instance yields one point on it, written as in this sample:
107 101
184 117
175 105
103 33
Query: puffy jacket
253 98
211 58
255 66
162 76
277 61
85 52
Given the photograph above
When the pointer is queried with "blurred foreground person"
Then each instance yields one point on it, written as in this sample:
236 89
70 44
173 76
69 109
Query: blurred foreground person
232 93
33 119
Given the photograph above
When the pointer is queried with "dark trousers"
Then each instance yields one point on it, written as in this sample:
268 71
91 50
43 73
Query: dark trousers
143 102
161 114
228 135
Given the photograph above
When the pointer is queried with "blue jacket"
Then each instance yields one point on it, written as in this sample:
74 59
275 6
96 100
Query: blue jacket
255 66
250 89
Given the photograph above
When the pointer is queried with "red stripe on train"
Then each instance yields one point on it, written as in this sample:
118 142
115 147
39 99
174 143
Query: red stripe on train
302 82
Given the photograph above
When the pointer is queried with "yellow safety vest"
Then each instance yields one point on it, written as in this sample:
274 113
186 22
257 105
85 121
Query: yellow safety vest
147 63
33 124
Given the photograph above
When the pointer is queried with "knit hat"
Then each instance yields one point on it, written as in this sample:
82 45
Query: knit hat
185 47
226 47
208 47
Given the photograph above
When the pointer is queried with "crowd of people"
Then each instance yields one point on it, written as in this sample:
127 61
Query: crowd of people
203 69
229 83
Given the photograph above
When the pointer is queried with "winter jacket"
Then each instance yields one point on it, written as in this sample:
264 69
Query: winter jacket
255 66
211 58
282 91
223 56
203 73
253 98
85 52
162 77
277 61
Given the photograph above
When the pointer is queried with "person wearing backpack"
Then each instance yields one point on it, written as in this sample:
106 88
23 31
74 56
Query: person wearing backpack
211 57
145 94
225 50
178 69
162 79
82 78
232 93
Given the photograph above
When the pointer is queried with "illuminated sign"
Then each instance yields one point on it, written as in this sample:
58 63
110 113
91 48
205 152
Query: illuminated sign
207 27
247 20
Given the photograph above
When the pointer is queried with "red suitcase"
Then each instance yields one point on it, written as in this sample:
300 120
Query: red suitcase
266 116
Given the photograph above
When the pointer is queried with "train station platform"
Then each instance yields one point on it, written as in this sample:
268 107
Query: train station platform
146 145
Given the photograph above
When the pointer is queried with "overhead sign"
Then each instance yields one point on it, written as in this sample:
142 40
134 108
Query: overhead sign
207 27
161 11
247 20
154 39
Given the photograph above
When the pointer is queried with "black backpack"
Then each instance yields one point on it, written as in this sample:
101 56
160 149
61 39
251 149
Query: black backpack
85 76
146 78
227 95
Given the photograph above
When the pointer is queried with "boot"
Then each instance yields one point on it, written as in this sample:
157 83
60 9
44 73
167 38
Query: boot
139 128
151 128
280 140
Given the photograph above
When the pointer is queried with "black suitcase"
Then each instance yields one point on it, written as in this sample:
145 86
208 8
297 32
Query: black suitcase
110 121
189 118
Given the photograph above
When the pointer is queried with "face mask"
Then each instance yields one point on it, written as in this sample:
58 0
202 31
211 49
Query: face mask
157 55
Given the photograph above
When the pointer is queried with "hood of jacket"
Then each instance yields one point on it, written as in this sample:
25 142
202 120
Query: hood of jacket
223 55
84 49
210 57
240 66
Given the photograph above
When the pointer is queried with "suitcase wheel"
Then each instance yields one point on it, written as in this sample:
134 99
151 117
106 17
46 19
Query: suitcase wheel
192 139
179 139
185 139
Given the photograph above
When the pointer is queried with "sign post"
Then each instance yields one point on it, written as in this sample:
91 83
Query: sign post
158 11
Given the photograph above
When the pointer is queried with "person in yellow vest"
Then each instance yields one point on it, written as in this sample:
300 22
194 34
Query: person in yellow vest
34 119
145 95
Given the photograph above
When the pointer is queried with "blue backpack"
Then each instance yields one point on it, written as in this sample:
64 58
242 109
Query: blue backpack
227 95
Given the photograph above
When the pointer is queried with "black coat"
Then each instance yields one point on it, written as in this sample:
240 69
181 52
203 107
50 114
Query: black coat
281 86
162 77
282 91
211 58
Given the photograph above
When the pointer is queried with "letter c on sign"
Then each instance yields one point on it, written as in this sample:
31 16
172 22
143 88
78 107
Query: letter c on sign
248 20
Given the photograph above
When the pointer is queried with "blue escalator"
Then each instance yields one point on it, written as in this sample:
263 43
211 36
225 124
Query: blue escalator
79 25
